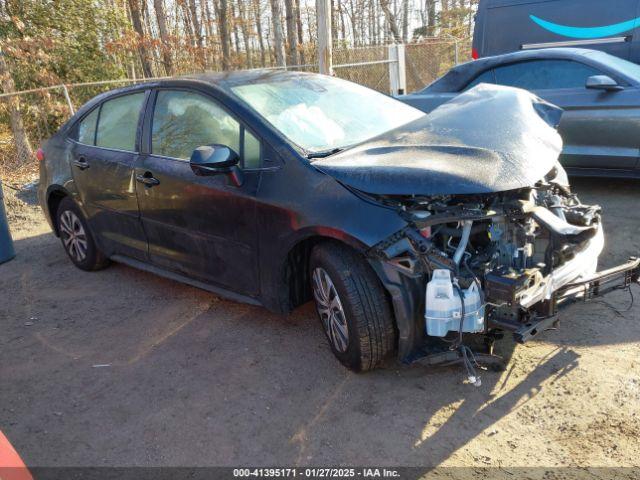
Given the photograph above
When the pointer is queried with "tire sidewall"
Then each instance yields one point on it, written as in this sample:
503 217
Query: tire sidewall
92 260
351 357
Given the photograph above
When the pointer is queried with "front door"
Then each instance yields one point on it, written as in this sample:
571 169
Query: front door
599 128
200 226
102 160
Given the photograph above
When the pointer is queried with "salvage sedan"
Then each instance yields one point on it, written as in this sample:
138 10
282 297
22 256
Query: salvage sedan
275 188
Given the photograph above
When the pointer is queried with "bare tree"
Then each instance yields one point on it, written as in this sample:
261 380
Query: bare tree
197 26
278 36
334 20
292 34
236 32
222 14
245 33
258 16
164 36
405 21
391 20
20 137
431 19
300 32
136 20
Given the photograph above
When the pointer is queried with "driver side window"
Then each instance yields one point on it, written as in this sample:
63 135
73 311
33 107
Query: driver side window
183 121
545 74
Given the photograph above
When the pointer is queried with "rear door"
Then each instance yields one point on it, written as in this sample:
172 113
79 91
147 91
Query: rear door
509 25
105 145
598 128
200 226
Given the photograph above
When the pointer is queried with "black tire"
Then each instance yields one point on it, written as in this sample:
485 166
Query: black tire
369 318
81 249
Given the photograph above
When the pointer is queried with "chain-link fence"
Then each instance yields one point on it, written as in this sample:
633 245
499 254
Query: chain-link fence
431 58
368 66
28 118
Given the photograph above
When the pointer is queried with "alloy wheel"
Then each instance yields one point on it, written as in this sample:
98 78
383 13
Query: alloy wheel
330 310
73 235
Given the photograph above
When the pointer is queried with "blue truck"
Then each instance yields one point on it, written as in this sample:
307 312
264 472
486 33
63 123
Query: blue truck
504 26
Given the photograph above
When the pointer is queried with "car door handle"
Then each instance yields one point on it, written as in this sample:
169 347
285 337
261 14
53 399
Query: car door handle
148 179
81 163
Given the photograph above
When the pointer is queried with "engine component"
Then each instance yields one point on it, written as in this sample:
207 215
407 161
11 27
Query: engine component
464 240
509 287
444 306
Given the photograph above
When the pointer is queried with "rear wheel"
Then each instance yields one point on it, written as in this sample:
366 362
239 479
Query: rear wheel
76 237
352 305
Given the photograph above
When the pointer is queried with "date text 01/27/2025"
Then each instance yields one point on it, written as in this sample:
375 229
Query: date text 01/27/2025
315 472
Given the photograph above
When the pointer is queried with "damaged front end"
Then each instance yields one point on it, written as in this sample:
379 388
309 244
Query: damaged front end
489 263
494 239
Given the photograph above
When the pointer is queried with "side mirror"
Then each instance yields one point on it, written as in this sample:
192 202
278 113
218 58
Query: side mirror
603 82
214 160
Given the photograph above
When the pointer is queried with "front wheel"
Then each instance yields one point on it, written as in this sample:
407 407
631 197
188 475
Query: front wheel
353 307
76 237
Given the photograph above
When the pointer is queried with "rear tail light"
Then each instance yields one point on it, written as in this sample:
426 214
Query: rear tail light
40 155
474 54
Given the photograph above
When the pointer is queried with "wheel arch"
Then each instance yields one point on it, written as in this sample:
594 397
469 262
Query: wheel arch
55 194
293 287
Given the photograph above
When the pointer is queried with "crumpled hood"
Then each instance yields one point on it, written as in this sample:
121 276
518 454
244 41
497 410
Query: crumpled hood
489 139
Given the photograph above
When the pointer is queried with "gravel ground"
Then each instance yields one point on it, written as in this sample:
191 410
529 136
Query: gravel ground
123 368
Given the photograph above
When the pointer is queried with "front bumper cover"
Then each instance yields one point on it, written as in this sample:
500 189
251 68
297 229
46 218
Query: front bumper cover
583 265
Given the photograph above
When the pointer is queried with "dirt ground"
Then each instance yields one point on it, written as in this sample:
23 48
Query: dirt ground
124 368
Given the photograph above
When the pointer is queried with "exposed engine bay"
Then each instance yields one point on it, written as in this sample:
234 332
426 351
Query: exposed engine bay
499 261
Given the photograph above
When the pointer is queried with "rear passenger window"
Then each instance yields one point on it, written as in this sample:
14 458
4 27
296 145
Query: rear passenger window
87 128
545 74
118 122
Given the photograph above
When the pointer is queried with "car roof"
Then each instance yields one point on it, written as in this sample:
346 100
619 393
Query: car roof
216 80
222 80
459 76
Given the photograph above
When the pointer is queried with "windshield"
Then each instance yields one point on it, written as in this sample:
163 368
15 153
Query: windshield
325 113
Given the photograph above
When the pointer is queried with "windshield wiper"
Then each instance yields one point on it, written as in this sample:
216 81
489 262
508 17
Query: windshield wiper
323 153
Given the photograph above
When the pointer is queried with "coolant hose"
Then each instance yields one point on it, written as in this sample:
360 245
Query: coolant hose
464 240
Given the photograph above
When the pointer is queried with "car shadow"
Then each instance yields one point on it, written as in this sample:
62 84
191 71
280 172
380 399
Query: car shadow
128 352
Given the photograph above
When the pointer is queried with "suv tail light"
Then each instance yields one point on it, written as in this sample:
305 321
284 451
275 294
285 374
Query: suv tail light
40 155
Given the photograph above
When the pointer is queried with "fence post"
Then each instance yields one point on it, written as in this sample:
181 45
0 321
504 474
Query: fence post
397 69
68 99
455 46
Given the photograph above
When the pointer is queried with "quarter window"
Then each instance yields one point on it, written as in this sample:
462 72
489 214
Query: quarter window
87 128
184 121
251 151
545 74
118 122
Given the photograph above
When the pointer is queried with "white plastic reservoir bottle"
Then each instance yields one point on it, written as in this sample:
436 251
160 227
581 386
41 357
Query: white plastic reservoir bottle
444 307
